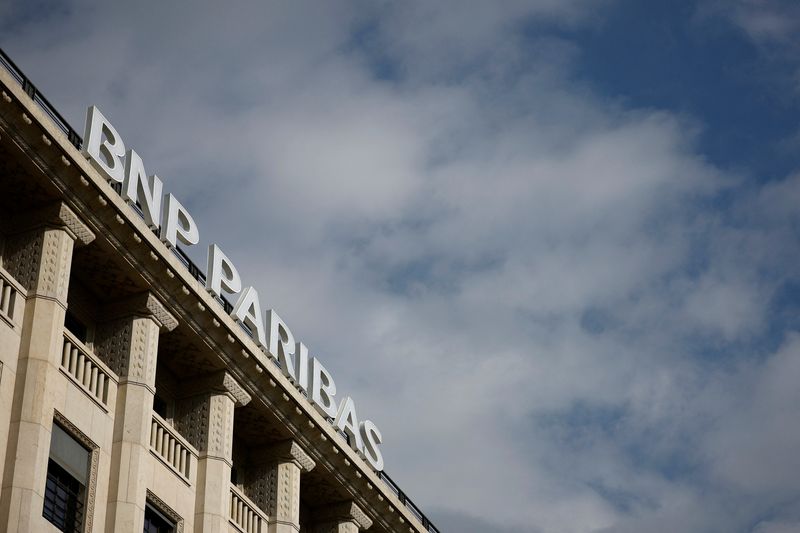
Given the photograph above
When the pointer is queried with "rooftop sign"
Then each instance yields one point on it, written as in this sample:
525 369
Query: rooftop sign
106 151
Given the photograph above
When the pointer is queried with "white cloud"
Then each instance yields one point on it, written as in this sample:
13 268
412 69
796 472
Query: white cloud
777 527
516 279
770 21
755 443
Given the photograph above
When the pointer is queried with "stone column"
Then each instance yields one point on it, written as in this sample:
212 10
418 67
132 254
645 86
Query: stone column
205 417
343 517
273 483
128 342
39 256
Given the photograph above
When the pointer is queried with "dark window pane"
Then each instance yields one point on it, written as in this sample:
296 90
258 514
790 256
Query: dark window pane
75 326
155 522
63 499
160 406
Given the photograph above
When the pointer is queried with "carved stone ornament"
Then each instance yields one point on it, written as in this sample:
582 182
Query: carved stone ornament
141 304
336 527
40 260
165 509
56 214
204 414
192 420
346 511
130 348
287 450
217 382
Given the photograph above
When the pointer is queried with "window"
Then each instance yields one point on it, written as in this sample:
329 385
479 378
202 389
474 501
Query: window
156 522
65 489
75 326
160 406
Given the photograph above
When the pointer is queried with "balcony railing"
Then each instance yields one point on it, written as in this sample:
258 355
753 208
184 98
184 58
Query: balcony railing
193 269
245 515
171 448
91 375
8 296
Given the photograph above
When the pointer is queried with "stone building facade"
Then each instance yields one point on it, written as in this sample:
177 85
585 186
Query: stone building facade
129 399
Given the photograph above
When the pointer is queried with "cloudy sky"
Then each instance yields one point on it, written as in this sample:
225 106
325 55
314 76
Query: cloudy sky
550 246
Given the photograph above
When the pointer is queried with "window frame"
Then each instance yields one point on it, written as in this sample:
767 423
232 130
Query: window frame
165 511
91 476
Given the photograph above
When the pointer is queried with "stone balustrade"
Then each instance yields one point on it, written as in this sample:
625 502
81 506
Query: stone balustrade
245 515
8 295
173 449
85 369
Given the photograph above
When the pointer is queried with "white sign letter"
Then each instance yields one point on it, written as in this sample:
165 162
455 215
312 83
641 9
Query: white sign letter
138 187
347 421
323 389
301 366
248 312
281 344
372 437
103 145
177 223
221 273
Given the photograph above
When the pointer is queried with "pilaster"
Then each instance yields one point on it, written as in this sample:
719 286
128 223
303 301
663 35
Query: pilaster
205 417
38 254
274 484
128 342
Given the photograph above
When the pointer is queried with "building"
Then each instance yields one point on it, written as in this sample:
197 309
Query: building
130 400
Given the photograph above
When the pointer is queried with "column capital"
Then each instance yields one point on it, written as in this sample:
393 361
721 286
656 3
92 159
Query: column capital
55 214
141 304
287 451
346 511
218 382
38 250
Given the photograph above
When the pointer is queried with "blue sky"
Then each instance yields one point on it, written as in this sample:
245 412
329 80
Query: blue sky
684 57
549 247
